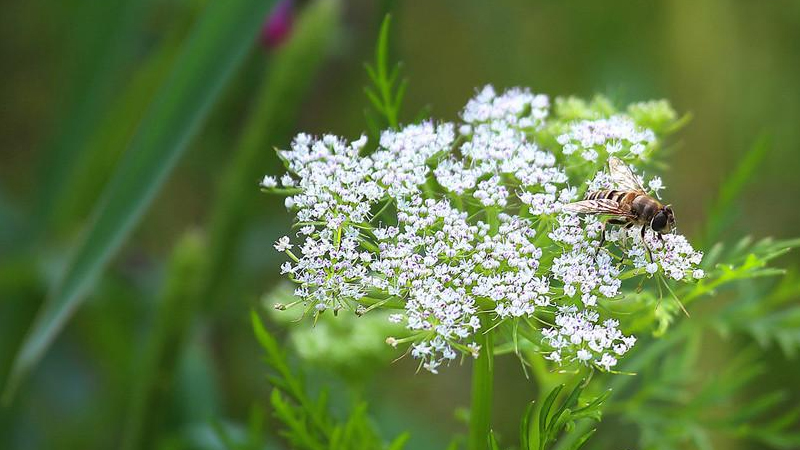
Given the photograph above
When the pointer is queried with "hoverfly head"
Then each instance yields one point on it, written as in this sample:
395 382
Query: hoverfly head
671 221
664 220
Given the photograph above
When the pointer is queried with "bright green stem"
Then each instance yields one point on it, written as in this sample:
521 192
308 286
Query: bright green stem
482 388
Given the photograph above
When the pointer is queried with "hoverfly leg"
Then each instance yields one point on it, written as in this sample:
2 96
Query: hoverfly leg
644 242
628 226
602 240
612 221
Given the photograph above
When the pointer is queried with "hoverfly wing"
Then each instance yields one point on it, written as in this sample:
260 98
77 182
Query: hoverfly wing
599 206
622 175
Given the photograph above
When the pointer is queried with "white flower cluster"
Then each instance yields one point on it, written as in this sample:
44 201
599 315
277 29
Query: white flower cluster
614 135
672 254
579 334
581 268
463 229
422 260
517 107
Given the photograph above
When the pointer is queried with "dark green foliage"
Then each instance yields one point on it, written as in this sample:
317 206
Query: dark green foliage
674 406
216 46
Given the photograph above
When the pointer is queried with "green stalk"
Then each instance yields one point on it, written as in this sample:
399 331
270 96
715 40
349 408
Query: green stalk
491 218
174 318
482 387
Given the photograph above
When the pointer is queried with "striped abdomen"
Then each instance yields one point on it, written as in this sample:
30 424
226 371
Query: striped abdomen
623 198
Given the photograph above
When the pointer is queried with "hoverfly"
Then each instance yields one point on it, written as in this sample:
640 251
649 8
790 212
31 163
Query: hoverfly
628 205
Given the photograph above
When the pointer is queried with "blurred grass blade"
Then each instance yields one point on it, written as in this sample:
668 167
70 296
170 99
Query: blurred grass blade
98 51
215 46
275 108
176 309
720 212
103 150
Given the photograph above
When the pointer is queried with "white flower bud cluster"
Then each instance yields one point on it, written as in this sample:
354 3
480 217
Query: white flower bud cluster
463 229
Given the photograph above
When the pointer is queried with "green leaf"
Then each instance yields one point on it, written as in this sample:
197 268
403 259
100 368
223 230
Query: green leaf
525 427
563 410
582 440
544 412
385 98
382 48
101 152
215 47
266 340
98 52
399 442
493 444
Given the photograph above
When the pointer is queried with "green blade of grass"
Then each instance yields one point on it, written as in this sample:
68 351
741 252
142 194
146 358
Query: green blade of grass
98 52
104 148
215 47
722 210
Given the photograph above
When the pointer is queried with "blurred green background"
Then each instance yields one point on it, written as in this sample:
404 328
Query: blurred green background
80 79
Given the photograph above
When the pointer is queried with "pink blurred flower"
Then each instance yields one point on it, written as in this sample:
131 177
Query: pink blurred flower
278 25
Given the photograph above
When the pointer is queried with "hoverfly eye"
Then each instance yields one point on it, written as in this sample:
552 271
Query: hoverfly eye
659 222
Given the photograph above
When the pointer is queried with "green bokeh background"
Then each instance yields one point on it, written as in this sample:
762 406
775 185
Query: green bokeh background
734 65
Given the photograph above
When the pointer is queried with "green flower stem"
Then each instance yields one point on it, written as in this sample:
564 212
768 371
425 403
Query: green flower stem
482 386
492 219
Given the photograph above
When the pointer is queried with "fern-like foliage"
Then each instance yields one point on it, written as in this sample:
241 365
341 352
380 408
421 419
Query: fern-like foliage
307 422
672 401
675 407
387 89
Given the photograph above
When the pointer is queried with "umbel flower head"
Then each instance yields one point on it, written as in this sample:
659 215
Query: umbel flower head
459 227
